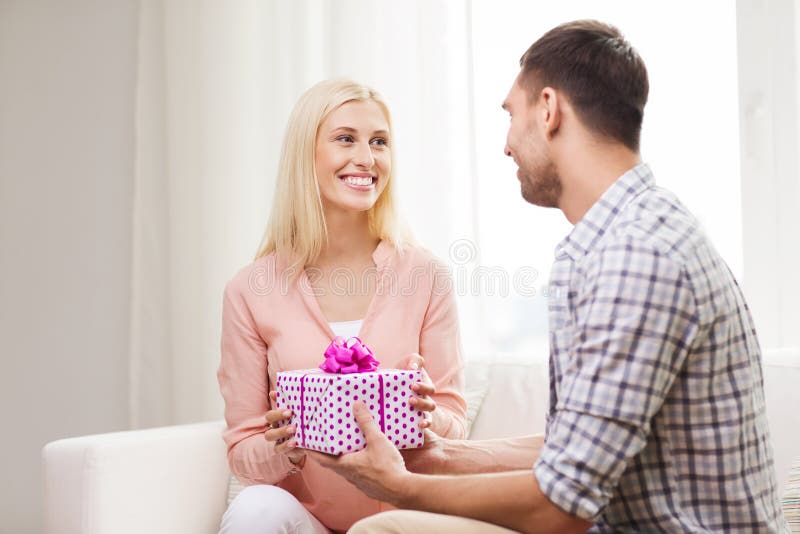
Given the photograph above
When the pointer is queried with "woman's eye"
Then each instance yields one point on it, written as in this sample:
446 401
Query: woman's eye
379 141
345 138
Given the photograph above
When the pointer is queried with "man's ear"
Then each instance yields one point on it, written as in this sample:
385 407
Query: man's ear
550 110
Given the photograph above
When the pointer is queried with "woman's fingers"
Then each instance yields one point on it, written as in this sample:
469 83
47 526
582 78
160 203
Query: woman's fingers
274 434
290 449
427 419
422 389
414 361
423 404
273 417
426 379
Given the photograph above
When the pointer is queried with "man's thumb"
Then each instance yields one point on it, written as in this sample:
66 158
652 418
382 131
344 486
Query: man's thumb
365 420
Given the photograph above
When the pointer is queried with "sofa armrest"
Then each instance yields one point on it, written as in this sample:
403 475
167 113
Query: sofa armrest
169 479
781 377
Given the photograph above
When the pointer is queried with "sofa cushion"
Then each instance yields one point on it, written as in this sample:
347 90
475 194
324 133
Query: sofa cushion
476 386
781 376
791 497
234 488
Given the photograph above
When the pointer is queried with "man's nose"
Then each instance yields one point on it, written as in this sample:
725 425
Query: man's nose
507 151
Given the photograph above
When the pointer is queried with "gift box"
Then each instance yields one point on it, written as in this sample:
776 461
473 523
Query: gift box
321 400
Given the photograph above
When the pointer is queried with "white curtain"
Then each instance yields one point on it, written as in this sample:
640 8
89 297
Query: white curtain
216 83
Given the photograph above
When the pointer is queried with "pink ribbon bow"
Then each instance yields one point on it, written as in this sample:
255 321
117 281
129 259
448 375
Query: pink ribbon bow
350 356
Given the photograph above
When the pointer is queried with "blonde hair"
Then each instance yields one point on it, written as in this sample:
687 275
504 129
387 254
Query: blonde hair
297 225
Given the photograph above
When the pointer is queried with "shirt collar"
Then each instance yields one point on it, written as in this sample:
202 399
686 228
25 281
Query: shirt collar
601 215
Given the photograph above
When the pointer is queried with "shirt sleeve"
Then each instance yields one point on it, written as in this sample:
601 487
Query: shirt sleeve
244 385
634 323
440 345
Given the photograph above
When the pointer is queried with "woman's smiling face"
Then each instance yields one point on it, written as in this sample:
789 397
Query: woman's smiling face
353 159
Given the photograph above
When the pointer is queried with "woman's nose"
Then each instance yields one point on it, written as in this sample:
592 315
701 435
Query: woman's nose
363 156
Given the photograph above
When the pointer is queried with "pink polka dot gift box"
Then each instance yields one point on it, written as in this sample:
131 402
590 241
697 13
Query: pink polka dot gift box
321 400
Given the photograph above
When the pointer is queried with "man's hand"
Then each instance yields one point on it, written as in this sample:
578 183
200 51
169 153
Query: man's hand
430 458
512 499
378 470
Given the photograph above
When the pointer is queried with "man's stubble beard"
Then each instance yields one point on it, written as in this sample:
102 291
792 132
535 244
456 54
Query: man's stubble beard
545 189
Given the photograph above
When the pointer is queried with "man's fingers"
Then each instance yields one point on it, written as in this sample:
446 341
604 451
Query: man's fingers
366 422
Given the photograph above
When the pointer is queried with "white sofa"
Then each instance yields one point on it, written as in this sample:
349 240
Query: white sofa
176 480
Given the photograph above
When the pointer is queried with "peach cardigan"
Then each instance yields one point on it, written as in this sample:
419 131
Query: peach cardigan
271 325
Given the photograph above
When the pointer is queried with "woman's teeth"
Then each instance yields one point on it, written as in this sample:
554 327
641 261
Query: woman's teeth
352 180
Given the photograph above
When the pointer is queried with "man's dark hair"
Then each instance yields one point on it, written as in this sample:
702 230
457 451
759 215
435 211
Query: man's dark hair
602 75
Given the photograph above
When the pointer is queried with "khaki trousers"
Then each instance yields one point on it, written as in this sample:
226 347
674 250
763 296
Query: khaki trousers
411 522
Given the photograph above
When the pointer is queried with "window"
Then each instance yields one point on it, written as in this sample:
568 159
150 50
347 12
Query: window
690 138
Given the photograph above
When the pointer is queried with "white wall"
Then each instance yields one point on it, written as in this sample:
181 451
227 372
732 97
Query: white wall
66 163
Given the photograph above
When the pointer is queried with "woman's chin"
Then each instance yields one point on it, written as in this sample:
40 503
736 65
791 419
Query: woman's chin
353 205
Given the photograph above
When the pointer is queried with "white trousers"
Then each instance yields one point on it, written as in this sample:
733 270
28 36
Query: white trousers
265 509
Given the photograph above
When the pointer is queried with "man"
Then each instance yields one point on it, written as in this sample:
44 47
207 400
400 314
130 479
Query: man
656 420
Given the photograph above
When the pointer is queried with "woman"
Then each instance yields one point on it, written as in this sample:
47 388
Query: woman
334 261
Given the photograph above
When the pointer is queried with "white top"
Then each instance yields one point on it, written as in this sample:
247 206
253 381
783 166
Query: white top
347 329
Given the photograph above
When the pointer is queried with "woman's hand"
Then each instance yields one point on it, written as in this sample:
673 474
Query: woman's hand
275 433
424 389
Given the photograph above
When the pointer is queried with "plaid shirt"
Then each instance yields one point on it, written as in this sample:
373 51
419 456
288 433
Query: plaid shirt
656 419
